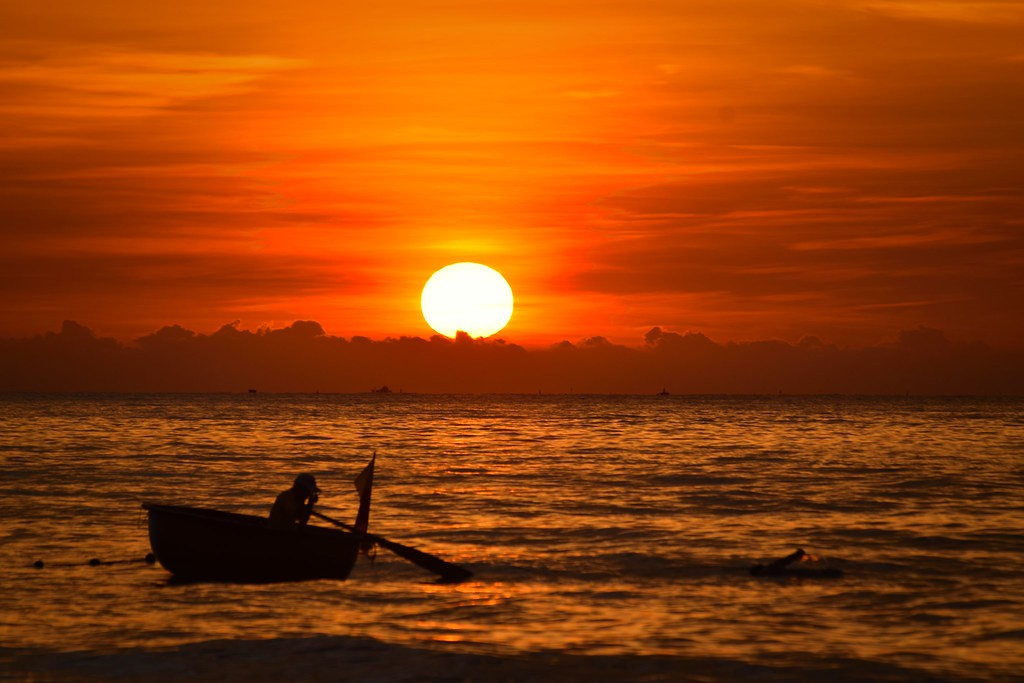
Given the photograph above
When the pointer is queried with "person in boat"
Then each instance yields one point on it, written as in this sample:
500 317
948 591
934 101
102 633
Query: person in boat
294 506
781 567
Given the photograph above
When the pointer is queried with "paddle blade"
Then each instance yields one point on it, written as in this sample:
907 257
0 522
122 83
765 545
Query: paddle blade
446 570
450 573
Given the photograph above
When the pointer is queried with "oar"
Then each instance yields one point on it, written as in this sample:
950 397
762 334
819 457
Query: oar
446 570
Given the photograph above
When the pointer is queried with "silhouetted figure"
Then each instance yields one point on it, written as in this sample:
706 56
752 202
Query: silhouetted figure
781 567
294 505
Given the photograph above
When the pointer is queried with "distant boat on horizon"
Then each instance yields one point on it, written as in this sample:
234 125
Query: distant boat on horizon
663 392
384 389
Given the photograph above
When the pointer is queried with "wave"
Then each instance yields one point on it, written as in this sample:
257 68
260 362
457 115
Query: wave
355 658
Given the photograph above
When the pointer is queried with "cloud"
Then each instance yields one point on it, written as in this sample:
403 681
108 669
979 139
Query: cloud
970 11
85 84
302 357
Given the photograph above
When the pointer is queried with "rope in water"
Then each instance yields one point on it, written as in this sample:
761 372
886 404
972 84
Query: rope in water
150 558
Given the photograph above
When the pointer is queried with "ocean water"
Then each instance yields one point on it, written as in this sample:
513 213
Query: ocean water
610 537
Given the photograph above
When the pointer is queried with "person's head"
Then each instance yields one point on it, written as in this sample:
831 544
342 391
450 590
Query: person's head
306 485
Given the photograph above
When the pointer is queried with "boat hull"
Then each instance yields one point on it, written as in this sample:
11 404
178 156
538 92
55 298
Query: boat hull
197 544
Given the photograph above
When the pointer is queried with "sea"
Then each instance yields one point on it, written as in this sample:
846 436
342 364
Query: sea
610 537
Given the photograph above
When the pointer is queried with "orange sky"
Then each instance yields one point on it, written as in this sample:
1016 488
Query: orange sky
747 170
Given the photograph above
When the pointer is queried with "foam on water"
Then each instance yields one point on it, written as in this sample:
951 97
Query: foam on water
598 527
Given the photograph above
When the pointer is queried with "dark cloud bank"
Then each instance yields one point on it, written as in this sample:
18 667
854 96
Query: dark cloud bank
302 358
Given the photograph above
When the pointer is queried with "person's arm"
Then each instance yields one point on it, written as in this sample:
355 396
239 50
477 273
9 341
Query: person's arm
307 509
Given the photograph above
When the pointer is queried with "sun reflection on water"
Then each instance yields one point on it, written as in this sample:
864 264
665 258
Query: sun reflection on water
592 525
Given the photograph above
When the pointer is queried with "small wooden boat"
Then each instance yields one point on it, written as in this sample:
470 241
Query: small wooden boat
200 544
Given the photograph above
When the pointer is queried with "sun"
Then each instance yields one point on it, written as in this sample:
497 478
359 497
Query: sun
467 297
